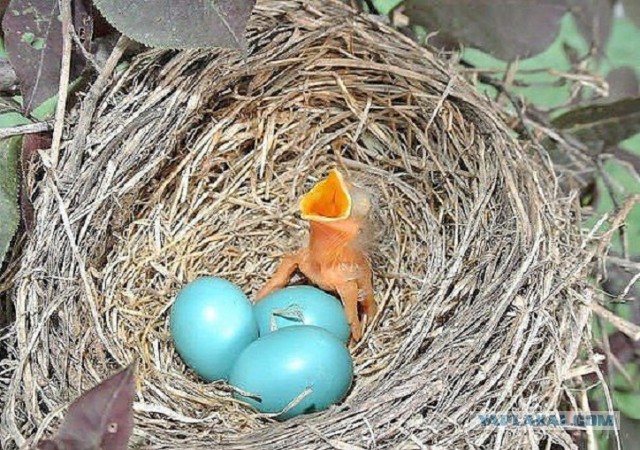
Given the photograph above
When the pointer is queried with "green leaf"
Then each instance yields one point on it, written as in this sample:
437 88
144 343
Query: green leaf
187 24
628 403
620 382
7 105
602 124
9 153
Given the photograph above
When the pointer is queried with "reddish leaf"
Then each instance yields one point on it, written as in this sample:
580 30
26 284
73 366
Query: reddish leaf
48 444
33 39
594 19
171 24
3 6
100 419
101 27
622 347
506 29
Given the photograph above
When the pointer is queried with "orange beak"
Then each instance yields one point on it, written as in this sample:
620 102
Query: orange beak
328 201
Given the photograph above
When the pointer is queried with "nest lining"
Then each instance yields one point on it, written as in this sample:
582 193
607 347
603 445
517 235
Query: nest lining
194 166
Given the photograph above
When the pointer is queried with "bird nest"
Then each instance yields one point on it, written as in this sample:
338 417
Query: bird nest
193 166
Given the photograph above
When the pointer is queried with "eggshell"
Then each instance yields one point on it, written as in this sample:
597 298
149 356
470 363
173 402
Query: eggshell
211 323
279 367
301 305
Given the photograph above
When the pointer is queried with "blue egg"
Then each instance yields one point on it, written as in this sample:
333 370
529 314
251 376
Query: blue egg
212 322
279 367
301 305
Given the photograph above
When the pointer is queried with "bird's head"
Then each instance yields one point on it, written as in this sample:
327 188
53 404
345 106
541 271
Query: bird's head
334 201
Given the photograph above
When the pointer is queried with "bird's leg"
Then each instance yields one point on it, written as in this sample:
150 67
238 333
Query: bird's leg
348 292
369 301
288 265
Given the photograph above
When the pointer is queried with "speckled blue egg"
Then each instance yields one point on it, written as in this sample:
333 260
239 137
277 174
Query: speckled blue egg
301 305
211 323
279 367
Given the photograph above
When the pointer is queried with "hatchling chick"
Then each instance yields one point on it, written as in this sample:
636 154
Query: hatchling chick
333 258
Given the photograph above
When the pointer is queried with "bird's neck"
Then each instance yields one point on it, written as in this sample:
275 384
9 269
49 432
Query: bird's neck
330 238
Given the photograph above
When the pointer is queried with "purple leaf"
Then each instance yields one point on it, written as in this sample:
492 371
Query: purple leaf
171 24
83 11
507 29
100 419
632 10
48 444
33 39
3 6
622 347
623 82
594 18
602 124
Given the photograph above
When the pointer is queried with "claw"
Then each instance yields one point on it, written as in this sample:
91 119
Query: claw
369 303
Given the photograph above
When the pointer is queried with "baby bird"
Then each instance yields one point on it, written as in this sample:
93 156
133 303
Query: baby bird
332 259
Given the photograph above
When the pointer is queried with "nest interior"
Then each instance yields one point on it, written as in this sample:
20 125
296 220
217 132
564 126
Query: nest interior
194 165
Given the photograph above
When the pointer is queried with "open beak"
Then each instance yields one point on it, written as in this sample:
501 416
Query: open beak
328 201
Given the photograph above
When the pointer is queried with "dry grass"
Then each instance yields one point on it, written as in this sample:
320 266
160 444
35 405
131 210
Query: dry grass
193 167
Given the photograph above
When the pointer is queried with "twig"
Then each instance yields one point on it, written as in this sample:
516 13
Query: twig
65 9
623 262
627 158
91 100
372 7
613 361
28 128
626 327
592 442
87 55
616 203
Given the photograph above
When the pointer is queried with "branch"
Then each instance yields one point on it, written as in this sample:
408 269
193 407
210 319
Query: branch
372 8
29 128
65 65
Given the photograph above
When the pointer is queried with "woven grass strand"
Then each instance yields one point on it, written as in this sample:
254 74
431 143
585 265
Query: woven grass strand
193 166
